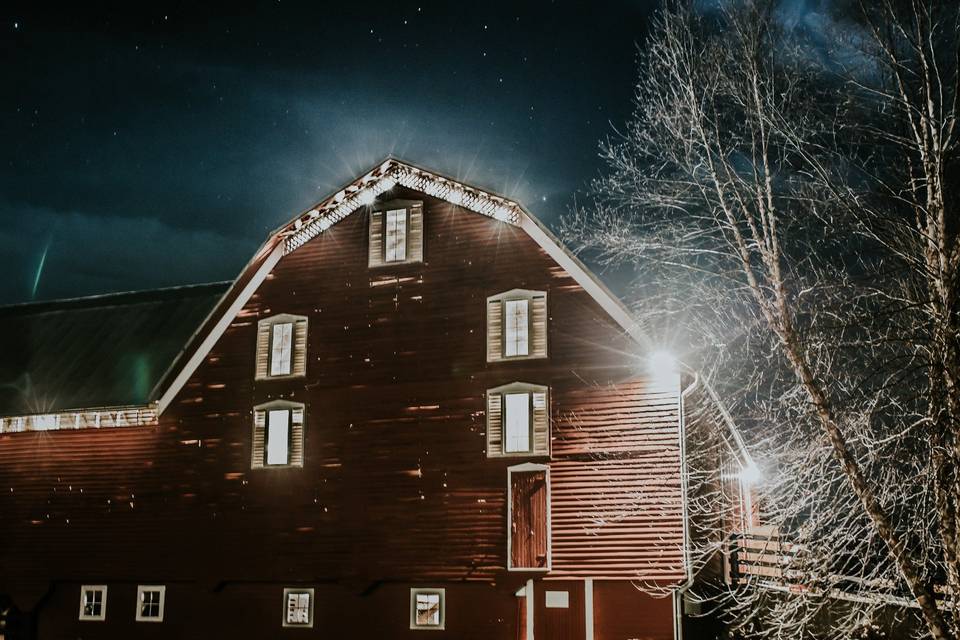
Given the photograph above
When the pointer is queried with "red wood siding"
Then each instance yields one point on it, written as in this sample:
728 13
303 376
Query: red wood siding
616 503
559 623
621 611
528 514
396 487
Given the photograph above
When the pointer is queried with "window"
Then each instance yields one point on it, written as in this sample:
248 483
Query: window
427 609
396 233
150 600
281 347
528 517
277 435
518 420
93 602
516 330
298 607
517 325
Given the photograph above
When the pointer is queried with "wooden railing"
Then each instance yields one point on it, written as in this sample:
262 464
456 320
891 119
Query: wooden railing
761 552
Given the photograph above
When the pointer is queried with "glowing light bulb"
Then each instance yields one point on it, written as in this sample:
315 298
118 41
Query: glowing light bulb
661 363
751 474
325 223
367 196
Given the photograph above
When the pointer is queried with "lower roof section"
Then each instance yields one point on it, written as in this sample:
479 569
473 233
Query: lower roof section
100 351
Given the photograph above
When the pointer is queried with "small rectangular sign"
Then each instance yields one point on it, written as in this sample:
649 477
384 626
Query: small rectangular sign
558 599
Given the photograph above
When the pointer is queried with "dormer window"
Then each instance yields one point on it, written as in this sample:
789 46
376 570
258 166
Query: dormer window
518 420
517 325
396 233
281 346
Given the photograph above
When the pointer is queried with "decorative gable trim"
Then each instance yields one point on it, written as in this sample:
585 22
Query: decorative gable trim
363 192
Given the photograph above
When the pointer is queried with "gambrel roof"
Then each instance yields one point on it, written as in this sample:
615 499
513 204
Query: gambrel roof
358 194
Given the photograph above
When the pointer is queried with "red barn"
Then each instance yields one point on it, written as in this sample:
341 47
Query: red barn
412 411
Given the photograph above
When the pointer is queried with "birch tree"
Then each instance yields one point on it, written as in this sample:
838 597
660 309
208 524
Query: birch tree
788 202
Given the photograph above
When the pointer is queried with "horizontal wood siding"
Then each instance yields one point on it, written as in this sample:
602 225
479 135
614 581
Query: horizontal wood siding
395 483
615 483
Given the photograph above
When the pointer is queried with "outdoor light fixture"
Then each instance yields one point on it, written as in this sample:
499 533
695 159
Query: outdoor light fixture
662 367
661 363
751 474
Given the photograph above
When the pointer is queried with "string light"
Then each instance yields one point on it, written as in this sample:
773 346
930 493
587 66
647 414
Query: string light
364 191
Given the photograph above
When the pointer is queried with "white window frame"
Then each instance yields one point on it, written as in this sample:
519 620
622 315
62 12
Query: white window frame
528 467
95 588
298 591
414 592
401 240
271 323
289 327
514 295
143 588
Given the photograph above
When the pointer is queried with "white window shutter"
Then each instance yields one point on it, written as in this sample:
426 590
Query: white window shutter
494 330
494 424
415 239
541 423
296 437
375 254
538 323
263 350
259 436
300 347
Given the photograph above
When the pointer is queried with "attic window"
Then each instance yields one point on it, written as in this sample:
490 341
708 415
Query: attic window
396 233
281 347
517 325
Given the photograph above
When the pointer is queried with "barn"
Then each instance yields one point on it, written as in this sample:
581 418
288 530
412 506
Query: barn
413 411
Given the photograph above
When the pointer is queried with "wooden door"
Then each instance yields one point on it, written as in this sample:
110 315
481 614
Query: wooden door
558 610
529 543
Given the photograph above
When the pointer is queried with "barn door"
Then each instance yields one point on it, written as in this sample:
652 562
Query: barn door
558 610
529 526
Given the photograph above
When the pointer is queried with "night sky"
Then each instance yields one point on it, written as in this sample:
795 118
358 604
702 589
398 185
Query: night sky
159 148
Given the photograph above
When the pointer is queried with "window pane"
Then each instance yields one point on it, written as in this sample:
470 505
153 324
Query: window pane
278 435
428 609
298 608
516 328
396 231
517 421
282 347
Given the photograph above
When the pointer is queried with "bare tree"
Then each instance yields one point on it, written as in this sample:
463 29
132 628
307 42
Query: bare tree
790 208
